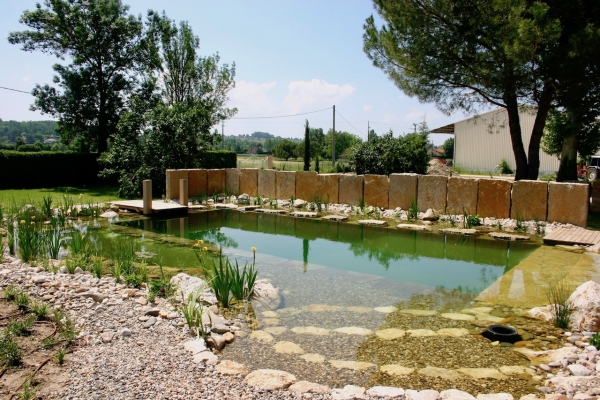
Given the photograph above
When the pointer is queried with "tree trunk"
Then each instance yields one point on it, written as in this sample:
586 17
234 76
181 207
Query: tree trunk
533 154
568 160
514 125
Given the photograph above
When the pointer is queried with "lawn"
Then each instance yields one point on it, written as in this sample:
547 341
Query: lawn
89 194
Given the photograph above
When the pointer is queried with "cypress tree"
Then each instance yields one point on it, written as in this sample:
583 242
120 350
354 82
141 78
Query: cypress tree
306 146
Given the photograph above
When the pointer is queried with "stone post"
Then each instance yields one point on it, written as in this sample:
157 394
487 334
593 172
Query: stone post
269 161
147 196
183 192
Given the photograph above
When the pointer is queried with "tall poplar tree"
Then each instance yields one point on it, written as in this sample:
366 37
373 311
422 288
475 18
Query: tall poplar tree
306 146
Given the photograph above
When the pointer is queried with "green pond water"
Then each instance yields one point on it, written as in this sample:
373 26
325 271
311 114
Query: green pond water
432 260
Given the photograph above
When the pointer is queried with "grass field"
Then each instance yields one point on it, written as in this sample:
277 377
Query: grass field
252 161
81 195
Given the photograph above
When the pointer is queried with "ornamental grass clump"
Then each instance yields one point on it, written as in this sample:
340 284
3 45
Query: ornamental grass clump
557 295
192 312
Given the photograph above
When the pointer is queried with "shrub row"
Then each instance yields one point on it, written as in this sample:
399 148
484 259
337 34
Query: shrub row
218 159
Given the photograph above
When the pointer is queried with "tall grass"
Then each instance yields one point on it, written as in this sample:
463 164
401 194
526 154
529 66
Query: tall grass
557 295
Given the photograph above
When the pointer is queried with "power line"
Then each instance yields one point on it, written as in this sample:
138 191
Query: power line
285 116
350 124
14 90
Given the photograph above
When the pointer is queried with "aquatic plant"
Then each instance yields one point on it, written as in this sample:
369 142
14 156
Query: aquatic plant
192 312
221 279
242 283
29 238
413 210
469 221
47 207
97 268
52 242
161 287
557 295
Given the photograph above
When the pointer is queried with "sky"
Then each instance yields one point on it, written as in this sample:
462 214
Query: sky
291 57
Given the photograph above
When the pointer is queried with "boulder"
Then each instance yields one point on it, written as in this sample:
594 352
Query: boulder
188 284
270 379
267 294
545 313
386 392
585 303
349 392
308 387
227 367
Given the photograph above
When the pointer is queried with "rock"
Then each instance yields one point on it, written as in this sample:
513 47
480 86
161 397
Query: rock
354 330
443 373
421 332
495 396
585 302
454 394
313 358
130 292
227 367
188 284
579 370
349 392
430 215
299 203
150 322
308 387
39 279
215 341
427 394
153 312
353 365
228 337
413 227
276 330
288 348
206 357
483 373
63 270
107 337
458 316
459 231
372 222
310 330
195 346
390 333
270 379
507 236
544 313
125 332
108 214
386 392
219 328
262 335
395 369
267 293
99 297
78 270
385 310
142 301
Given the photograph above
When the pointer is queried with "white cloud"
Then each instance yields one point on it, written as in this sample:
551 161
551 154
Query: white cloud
367 107
25 78
316 93
252 97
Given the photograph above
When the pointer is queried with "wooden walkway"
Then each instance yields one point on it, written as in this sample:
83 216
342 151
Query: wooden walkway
583 237
158 207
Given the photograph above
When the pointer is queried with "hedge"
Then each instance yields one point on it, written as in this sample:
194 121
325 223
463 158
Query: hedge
217 159
45 169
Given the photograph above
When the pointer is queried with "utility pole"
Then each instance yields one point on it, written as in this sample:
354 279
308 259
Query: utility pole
222 135
333 139
368 130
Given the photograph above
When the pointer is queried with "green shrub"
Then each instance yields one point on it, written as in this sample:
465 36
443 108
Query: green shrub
10 354
503 167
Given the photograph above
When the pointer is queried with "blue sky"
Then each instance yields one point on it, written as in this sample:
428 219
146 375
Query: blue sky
291 57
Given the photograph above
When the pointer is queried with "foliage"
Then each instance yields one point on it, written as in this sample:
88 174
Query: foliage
29 131
306 146
10 354
60 356
413 210
471 220
192 312
95 84
595 340
343 142
503 168
242 284
47 169
286 149
448 147
40 310
10 293
557 296
384 155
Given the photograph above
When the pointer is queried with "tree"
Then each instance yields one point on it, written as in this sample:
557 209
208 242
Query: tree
106 47
286 149
343 141
448 147
306 146
168 121
386 155
465 55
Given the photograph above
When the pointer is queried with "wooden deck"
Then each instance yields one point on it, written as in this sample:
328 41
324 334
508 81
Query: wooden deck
583 237
158 207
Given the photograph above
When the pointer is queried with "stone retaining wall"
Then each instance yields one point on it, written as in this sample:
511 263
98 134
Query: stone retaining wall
524 200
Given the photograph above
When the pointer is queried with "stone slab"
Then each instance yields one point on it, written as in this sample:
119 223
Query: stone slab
285 184
494 198
336 218
413 227
372 222
459 231
304 214
462 196
306 185
249 181
266 183
507 236
529 200
197 183
376 190
173 177
568 203
232 181
270 211
403 190
328 188
431 192
595 206
216 181
350 189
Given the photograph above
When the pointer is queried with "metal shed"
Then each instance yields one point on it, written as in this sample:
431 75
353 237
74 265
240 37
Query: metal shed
482 141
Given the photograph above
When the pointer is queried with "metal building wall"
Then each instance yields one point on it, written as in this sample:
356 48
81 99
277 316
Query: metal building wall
481 142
